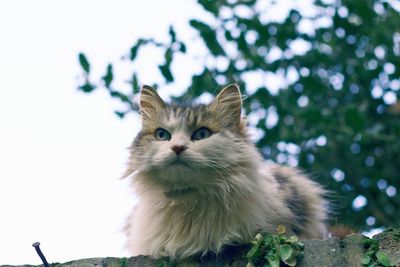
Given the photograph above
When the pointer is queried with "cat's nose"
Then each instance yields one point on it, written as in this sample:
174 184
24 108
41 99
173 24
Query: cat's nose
178 149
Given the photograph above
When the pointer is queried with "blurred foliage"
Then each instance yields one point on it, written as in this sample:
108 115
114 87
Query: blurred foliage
337 116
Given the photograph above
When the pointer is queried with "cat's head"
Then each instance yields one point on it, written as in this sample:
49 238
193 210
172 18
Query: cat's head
186 148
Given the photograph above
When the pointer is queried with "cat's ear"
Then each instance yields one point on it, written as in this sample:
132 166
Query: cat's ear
151 103
228 105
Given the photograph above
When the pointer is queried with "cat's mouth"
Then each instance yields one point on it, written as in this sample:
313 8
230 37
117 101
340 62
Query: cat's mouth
179 192
179 162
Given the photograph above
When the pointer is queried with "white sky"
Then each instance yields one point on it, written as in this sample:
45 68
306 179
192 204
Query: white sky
61 151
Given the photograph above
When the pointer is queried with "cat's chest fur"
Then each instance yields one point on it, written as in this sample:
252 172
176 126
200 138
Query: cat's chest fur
165 227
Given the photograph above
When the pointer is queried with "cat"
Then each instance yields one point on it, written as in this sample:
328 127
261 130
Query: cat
203 185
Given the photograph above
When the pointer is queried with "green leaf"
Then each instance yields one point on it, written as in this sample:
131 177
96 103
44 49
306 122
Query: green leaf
120 114
252 251
122 262
124 98
367 241
135 84
273 260
268 240
293 239
108 77
210 6
209 37
370 243
87 87
285 252
168 56
300 245
383 259
135 48
172 34
84 62
166 72
182 47
365 259
292 261
370 253
256 244
134 51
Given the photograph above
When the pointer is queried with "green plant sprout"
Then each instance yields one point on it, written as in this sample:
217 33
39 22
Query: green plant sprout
373 257
270 250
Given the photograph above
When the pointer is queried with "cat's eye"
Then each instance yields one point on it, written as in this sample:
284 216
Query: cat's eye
162 134
201 133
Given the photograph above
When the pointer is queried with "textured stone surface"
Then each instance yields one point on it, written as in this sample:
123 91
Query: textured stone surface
352 249
328 253
389 243
332 252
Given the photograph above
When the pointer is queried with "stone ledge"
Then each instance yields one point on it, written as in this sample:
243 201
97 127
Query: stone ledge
332 252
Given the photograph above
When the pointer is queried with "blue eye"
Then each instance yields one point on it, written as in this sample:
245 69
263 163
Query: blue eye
201 133
162 134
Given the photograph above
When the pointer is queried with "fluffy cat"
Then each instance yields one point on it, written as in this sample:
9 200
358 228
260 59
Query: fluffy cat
202 184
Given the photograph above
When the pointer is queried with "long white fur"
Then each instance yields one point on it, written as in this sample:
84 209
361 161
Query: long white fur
235 193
